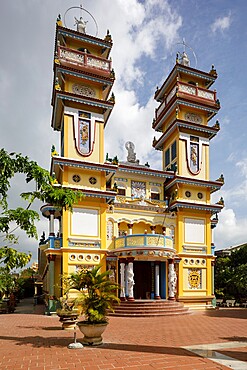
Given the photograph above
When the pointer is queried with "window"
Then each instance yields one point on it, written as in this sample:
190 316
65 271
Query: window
155 196
167 157
155 193
174 150
121 191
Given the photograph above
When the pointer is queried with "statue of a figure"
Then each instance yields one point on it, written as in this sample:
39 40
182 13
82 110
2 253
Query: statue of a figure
172 281
81 25
130 279
131 154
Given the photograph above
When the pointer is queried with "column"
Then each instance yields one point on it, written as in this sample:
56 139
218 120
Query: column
212 272
51 217
153 228
130 279
52 302
51 229
157 280
130 226
122 280
60 218
172 280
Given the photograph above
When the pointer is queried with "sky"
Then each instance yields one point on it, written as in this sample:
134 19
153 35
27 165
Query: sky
146 36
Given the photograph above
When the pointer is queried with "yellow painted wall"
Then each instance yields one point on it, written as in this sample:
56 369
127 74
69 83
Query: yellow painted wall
70 150
183 164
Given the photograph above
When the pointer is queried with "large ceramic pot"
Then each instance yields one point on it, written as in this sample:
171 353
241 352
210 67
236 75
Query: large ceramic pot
92 332
68 320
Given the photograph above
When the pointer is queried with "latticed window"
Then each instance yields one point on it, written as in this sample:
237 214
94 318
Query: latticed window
167 157
174 150
109 230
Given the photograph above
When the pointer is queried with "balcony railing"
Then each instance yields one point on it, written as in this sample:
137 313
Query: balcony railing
72 57
53 242
141 202
140 241
184 89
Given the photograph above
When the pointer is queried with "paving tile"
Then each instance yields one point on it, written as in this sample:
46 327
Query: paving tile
35 341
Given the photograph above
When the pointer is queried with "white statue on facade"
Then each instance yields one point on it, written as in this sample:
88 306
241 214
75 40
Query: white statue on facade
172 281
81 25
131 154
130 280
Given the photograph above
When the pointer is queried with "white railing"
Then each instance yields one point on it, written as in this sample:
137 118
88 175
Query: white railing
83 59
184 88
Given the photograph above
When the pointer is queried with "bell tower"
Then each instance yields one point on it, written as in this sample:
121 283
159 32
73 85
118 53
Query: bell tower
187 106
81 105
83 78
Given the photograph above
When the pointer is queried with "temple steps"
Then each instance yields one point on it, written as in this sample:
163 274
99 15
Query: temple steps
149 308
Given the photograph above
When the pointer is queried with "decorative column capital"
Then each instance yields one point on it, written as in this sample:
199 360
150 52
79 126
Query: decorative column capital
130 226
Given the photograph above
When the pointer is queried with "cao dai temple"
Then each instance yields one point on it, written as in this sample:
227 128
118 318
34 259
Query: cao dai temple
153 229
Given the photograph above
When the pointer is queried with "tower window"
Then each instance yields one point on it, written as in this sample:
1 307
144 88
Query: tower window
167 157
174 150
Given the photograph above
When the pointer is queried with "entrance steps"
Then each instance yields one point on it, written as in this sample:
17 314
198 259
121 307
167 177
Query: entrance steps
149 308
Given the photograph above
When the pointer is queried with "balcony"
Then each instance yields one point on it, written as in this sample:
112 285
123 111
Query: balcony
82 60
144 245
185 90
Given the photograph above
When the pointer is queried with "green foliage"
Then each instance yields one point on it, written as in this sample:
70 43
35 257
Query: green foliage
97 293
7 282
231 275
11 258
24 218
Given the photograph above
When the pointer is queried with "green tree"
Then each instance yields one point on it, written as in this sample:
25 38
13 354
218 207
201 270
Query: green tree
231 275
46 190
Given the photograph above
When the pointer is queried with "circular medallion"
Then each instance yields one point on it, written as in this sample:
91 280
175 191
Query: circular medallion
188 194
76 178
83 90
192 117
200 195
92 180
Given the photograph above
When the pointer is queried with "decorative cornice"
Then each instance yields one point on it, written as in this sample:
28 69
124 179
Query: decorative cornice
83 37
145 171
214 185
61 161
83 74
181 101
211 131
213 208
64 95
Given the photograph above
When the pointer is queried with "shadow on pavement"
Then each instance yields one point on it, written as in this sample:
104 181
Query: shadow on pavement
50 342
235 339
233 313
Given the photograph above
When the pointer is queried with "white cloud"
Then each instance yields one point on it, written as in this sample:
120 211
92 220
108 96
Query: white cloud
222 23
152 24
230 230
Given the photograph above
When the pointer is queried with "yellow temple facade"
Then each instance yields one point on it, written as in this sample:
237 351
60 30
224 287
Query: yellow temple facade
153 229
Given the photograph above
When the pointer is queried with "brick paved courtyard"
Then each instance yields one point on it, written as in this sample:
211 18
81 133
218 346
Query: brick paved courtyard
34 341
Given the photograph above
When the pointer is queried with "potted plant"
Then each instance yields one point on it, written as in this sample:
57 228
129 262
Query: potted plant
97 296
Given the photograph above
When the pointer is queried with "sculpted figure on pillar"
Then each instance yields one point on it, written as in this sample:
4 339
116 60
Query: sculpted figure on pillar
172 281
130 279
